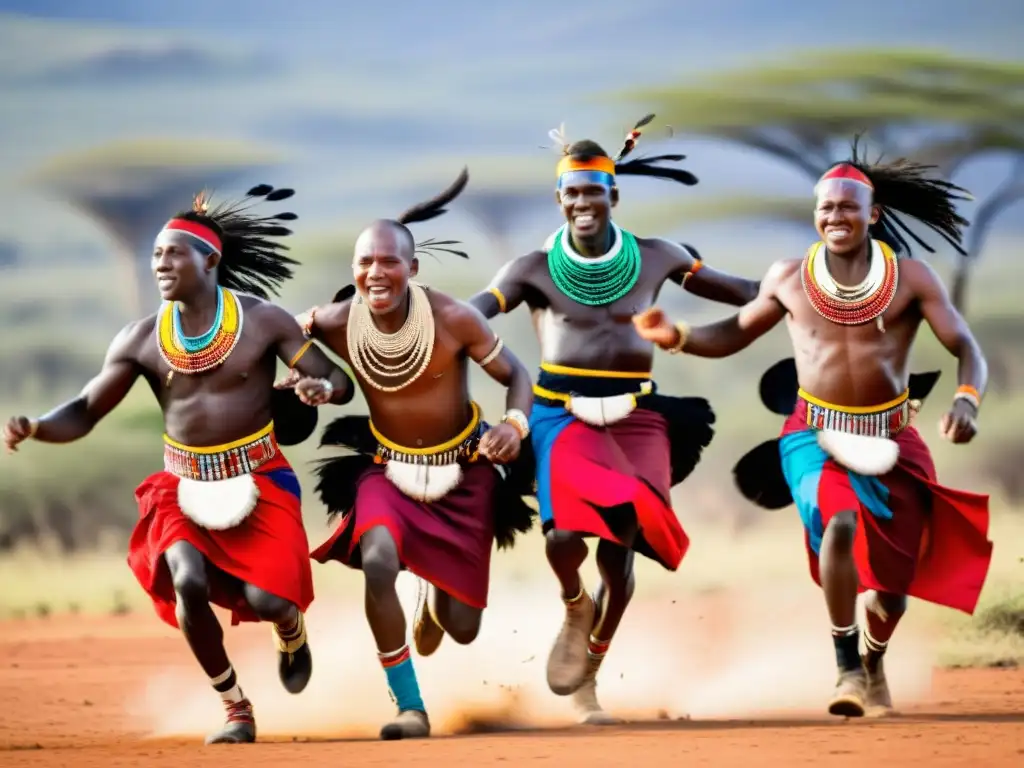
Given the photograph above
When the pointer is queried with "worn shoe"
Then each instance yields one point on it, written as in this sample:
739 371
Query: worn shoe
585 702
294 659
851 692
568 661
239 728
877 700
410 724
427 633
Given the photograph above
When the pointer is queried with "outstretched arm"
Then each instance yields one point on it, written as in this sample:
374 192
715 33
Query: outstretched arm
505 292
467 324
76 418
708 283
304 356
950 328
723 338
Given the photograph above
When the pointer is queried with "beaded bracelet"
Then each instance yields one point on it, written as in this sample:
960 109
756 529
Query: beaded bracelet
517 419
968 393
684 334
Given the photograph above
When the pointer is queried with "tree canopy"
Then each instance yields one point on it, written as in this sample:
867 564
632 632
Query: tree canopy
927 105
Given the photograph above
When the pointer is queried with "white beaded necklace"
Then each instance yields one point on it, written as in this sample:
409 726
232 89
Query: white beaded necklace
847 294
404 354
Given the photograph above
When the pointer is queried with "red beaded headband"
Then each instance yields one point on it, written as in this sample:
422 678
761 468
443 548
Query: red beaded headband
846 172
196 230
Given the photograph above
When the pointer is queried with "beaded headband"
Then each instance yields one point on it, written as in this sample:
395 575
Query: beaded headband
194 229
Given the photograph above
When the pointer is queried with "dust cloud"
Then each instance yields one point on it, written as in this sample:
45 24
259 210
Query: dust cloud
716 655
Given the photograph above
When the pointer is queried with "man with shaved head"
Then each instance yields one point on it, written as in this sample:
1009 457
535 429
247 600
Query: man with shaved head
419 490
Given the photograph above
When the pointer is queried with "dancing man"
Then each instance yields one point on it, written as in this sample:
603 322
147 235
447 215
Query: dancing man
608 448
222 523
861 477
420 492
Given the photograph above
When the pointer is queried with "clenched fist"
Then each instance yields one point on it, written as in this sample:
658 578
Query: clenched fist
654 326
18 430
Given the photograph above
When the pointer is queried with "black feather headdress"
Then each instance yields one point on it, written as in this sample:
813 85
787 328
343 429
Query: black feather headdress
252 259
906 188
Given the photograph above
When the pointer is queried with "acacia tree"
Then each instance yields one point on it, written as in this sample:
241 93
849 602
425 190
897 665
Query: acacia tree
929 106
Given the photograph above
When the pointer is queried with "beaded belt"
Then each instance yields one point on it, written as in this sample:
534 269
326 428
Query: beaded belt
874 421
220 462
462 446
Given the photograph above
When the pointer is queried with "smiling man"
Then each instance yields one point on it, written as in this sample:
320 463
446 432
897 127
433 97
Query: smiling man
421 492
223 522
608 448
862 478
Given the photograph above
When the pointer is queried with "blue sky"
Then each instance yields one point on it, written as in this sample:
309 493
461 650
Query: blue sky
357 93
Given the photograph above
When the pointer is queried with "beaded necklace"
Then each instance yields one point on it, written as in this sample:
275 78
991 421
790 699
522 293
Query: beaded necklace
196 354
851 305
594 281
403 355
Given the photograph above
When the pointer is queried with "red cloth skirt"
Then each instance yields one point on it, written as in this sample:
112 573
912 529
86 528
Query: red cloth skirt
268 550
612 482
935 546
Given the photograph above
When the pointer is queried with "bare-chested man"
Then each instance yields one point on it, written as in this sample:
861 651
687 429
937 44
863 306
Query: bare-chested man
608 448
421 493
860 475
222 523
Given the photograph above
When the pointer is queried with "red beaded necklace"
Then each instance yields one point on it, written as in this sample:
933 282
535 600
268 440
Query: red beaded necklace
851 306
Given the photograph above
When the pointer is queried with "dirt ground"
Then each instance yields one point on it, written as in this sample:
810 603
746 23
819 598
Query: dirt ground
66 684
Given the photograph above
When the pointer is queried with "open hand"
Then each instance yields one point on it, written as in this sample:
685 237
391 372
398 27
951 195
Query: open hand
289 380
960 423
314 391
16 431
654 326
500 444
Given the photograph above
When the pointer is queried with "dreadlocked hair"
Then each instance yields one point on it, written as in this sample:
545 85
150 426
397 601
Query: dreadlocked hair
431 209
252 261
905 187
641 166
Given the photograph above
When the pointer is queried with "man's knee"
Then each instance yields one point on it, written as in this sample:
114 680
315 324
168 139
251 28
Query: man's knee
558 543
893 605
188 574
842 530
464 624
380 561
267 606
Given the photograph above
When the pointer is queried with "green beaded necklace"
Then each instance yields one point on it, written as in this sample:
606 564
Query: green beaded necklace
595 281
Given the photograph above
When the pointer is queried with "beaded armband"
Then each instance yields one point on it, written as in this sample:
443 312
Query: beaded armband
698 265
299 355
492 355
502 302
